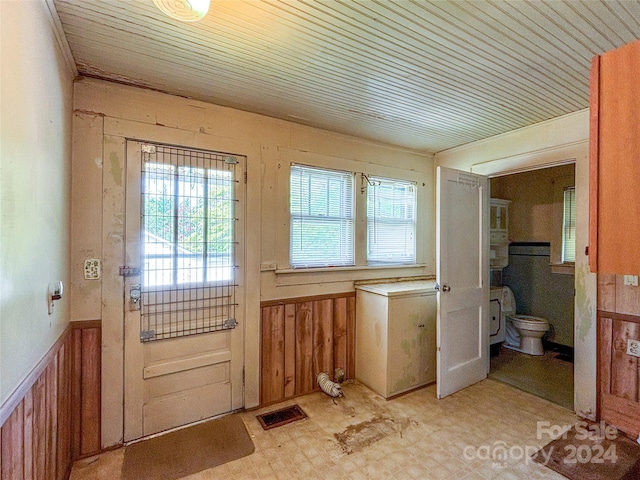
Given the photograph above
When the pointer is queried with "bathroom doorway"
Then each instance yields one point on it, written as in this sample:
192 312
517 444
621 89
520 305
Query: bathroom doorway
539 272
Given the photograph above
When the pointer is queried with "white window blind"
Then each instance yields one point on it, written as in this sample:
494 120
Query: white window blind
569 226
391 221
322 217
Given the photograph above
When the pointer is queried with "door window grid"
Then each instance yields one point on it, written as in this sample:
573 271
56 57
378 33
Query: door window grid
188 242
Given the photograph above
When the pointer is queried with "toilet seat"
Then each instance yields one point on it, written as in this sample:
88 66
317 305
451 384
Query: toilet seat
529 322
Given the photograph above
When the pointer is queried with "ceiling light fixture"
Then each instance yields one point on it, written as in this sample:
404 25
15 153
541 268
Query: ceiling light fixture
184 10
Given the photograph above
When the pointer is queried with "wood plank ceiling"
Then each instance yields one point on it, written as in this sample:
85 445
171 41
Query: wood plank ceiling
427 75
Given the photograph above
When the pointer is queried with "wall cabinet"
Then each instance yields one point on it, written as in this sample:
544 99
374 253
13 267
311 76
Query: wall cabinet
614 210
614 228
396 336
498 233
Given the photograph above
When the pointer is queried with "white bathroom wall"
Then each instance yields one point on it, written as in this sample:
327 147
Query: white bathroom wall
558 141
536 215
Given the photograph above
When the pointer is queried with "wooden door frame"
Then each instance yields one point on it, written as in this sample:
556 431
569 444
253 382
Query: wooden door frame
113 138
570 154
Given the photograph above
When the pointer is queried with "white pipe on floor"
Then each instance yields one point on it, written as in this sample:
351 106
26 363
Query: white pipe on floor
329 387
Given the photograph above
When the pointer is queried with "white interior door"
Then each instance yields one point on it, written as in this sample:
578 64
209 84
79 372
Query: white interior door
462 274
183 351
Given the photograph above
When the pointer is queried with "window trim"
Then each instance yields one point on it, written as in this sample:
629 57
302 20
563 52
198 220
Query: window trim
371 184
280 198
559 184
342 221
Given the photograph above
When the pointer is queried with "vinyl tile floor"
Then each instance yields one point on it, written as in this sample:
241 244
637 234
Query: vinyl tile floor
545 375
486 431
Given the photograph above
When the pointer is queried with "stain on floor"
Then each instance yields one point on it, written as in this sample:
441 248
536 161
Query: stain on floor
356 437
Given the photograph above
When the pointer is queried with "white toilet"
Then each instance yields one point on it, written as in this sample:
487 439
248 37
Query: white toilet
523 332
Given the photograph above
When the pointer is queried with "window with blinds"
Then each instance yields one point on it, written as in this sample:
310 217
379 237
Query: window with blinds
391 221
322 217
569 226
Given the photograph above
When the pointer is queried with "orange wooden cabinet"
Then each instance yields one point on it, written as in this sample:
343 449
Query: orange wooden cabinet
614 210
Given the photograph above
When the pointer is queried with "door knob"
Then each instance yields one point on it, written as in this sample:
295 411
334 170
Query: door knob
134 297
446 288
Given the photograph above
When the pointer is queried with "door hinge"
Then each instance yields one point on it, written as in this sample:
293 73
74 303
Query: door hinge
148 148
245 176
243 376
146 335
230 323
127 271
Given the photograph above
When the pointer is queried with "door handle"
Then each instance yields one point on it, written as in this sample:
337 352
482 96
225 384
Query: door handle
443 288
134 297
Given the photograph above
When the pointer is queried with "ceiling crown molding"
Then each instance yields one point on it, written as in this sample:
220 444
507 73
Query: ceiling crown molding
61 38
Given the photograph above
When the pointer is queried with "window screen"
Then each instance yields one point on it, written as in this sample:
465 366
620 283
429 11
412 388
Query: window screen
391 221
569 226
188 242
322 217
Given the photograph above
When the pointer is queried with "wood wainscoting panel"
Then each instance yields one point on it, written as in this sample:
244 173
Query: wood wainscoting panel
56 417
89 413
302 337
13 456
340 338
618 371
289 350
323 319
304 347
273 368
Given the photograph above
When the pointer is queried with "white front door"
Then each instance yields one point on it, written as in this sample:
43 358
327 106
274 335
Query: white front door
462 275
183 352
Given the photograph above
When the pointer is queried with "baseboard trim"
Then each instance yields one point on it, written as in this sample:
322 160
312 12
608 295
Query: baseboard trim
557 347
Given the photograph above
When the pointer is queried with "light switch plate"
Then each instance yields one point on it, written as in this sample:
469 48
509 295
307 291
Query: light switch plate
92 269
631 280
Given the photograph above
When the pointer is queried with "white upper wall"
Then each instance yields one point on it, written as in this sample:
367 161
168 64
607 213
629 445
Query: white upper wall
36 89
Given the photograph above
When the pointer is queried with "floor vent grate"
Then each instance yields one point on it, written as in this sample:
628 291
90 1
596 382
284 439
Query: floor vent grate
281 417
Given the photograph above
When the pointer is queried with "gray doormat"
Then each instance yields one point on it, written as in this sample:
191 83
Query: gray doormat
592 453
187 451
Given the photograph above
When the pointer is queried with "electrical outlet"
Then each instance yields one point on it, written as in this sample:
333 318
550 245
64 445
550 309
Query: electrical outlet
631 280
91 269
633 347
